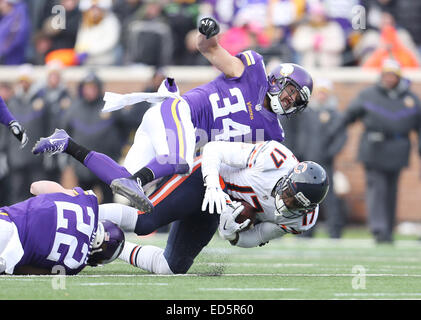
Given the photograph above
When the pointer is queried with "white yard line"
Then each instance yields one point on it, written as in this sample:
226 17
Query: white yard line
222 275
248 289
120 284
377 294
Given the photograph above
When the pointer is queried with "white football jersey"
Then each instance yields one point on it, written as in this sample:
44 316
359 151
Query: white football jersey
266 163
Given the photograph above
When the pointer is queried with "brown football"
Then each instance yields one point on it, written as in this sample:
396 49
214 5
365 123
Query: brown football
249 212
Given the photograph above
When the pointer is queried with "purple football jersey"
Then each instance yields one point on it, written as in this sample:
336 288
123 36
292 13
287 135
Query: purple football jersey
231 109
56 229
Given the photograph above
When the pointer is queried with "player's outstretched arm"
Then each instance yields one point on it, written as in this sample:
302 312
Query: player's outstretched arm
208 45
14 126
45 186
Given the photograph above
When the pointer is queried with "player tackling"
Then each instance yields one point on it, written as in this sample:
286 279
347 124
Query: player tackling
285 193
242 104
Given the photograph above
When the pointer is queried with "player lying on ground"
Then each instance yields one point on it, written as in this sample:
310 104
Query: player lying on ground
284 192
59 227
8 120
243 102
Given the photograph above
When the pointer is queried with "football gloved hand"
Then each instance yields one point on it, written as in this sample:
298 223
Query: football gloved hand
227 225
208 27
214 195
19 132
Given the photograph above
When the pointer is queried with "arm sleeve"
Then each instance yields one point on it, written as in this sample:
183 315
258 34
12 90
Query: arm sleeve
5 115
123 216
259 234
234 154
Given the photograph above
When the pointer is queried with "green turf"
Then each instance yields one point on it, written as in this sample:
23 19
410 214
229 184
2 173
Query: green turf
289 268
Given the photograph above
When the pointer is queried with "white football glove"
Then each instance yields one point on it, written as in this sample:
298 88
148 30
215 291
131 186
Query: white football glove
214 195
227 225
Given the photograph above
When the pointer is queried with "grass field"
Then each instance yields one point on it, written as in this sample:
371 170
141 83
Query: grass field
354 267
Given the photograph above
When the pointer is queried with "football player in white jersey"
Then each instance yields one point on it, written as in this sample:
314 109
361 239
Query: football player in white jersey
284 192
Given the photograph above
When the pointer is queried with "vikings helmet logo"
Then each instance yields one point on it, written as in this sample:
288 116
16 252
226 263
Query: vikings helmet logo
286 69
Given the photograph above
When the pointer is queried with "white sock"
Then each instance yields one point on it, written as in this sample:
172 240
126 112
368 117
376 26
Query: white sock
149 258
124 216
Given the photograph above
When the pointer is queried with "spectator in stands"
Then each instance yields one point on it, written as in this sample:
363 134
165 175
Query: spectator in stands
408 16
314 145
41 47
283 16
95 130
388 41
38 11
99 33
181 17
125 10
341 11
149 38
64 38
390 111
58 100
6 92
29 108
319 42
245 35
14 31
223 11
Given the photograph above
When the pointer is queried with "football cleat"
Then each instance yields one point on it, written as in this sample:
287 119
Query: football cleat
132 190
56 143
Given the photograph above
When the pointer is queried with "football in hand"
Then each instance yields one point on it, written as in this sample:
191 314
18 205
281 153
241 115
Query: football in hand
249 212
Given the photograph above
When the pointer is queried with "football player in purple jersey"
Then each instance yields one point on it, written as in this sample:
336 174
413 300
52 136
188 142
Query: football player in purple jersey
7 119
242 104
178 199
59 228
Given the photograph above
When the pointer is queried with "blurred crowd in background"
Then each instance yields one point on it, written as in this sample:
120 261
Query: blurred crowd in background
320 33
158 33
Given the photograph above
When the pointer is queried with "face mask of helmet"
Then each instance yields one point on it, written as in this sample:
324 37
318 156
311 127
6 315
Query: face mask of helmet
288 202
289 90
282 100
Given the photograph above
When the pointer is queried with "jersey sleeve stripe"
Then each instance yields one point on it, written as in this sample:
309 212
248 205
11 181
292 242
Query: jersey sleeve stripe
250 54
241 189
179 127
4 214
254 153
248 59
289 229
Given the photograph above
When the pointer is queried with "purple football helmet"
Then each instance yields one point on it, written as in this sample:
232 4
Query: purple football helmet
108 243
279 79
